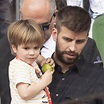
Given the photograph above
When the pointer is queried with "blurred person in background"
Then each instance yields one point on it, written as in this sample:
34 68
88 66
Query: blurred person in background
13 9
97 14
5 19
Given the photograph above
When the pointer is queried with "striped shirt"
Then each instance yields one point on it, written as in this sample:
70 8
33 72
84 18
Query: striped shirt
20 71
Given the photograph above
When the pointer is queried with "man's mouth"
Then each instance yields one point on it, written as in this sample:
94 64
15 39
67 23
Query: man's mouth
70 55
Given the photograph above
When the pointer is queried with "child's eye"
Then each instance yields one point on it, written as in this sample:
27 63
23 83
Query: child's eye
36 48
26 48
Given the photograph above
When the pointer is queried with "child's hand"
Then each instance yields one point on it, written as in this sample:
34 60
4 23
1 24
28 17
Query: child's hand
50 61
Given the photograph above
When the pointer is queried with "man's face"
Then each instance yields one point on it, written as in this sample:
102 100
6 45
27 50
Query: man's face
47 28
69 45
41 13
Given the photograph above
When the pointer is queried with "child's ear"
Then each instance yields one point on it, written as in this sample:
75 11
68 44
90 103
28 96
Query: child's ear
14 48
54 34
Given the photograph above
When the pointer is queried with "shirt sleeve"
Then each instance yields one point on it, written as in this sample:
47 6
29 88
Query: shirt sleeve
22 74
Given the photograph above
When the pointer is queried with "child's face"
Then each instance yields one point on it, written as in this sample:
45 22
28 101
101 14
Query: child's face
27 53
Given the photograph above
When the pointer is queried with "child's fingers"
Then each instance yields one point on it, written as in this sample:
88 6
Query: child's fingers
49 60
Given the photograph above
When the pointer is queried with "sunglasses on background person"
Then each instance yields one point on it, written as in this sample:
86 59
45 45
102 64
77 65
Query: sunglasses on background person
45 26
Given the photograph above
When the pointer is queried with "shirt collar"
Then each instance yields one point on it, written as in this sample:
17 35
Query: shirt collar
78 66
50 43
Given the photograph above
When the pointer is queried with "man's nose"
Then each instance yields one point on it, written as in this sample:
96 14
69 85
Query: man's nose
72 46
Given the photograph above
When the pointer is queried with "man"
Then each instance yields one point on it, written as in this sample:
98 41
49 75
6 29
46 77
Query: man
73 77
93 55
41 11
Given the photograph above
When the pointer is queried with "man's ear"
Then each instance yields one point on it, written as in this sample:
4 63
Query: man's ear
21 15
54 34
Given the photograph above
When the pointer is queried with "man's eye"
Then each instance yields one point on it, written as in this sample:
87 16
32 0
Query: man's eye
68 39
80 41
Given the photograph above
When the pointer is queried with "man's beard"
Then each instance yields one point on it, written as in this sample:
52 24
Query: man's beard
66 60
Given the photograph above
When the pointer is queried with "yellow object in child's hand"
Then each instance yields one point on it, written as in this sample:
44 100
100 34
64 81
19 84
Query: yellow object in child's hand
46 67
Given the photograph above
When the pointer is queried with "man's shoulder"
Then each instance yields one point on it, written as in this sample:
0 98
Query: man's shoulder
89 67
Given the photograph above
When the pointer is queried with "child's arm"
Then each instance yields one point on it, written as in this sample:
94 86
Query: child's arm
27 91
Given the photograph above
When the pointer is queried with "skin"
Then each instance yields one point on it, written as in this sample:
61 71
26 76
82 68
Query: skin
39 11
69 46
29 53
